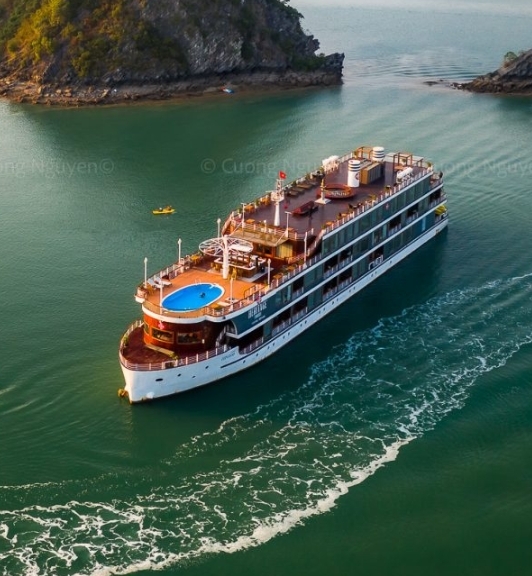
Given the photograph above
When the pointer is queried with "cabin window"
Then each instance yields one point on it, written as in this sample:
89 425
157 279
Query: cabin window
396 244
285 250
299 284
379 235
332 243
189 338
364 223
162 335
401 201
393 205
349 235
407 235
310 278
412 212
341 237
286 294
394 223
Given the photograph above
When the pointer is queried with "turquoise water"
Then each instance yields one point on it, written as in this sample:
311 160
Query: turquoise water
392 438
192 297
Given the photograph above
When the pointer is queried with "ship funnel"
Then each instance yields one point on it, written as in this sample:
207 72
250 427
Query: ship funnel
277 215
353 173
377 154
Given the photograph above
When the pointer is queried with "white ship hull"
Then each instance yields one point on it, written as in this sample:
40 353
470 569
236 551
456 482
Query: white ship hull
143 385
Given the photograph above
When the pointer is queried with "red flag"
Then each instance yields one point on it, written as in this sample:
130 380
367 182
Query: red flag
282 175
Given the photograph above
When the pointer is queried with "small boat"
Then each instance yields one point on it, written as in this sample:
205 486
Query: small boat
165 210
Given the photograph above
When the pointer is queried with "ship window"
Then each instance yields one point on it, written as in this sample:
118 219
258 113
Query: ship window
407 235
421 188
364 223
412 211
394 222
341 237
162 335
349 232
189 337
378 235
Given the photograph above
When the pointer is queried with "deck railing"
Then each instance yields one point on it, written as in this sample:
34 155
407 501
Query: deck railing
170 362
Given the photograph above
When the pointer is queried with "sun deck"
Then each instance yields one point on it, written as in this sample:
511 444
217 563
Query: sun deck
305 195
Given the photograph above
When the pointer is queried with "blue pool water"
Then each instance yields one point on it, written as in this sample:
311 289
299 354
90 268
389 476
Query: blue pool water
192 297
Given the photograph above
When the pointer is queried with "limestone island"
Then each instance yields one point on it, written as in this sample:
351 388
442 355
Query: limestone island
513 77
84 52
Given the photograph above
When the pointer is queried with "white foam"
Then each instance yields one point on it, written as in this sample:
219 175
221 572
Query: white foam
290 459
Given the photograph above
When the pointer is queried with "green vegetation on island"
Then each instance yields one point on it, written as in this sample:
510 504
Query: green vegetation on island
116 42
513 77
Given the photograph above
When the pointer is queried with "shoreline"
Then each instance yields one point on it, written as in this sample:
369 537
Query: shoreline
75 96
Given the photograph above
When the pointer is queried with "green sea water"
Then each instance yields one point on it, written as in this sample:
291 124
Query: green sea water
393 438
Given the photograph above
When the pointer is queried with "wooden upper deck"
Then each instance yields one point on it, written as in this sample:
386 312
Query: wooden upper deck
304 191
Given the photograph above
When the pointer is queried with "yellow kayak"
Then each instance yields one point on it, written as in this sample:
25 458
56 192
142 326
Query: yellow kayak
165 210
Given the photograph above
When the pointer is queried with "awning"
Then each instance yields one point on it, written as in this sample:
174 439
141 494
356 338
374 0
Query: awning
258 237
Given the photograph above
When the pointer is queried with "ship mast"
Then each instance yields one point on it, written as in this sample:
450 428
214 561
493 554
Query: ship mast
278 197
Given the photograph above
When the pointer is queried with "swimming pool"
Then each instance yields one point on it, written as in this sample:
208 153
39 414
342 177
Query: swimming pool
192 297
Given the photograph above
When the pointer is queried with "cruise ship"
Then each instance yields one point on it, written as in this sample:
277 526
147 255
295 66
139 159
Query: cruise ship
276 267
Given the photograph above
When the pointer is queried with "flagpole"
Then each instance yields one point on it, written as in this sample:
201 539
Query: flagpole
243 213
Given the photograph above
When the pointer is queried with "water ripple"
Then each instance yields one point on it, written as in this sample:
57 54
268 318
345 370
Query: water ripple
260 474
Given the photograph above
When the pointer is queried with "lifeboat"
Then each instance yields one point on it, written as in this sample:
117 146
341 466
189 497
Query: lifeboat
166 210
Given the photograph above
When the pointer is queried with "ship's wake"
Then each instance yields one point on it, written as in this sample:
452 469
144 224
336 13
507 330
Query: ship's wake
262 473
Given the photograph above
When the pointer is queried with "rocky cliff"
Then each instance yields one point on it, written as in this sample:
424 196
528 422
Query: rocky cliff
105 50
513 77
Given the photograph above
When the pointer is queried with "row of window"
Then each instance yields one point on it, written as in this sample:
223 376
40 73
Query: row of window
316 275
380 214
169 337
